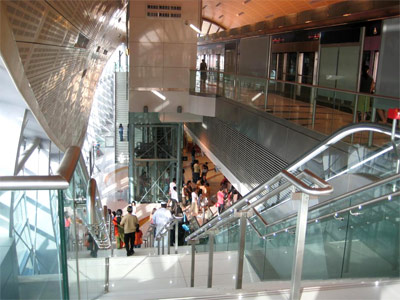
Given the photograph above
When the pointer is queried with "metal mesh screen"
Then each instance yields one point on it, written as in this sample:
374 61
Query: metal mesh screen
251 163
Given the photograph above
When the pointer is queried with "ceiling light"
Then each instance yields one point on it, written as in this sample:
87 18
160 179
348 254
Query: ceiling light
308 21
159 95
257 96
204 125
195 28
346 15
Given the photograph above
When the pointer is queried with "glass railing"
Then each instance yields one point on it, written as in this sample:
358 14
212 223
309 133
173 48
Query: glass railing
318 108
54 244
364 181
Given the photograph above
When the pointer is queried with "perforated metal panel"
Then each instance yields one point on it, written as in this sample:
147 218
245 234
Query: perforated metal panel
250 162
62 72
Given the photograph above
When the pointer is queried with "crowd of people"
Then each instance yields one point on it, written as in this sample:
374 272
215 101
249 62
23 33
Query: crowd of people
195 202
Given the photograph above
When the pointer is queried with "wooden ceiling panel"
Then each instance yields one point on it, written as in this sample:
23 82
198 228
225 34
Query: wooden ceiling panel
236 13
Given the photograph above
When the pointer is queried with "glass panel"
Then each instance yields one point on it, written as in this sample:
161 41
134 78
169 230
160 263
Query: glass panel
85 258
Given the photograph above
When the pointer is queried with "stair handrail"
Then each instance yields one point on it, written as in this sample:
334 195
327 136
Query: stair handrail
325 144
322 188
60 181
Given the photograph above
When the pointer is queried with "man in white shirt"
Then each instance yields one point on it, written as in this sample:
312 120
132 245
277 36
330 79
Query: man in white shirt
160 218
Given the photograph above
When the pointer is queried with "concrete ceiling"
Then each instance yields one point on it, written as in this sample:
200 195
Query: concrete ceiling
236 13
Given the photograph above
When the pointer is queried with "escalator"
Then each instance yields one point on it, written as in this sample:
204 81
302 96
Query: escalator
351 233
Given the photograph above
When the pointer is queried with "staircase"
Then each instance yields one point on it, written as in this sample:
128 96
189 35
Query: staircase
121 117
148 276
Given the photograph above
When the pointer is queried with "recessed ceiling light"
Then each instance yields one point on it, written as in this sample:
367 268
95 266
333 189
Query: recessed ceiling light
239 14
346 15
308 21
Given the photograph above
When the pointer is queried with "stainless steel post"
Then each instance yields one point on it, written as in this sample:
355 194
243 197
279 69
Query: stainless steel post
210 259
297 267
169 242
192 265
176 236
107 282
242 239
158 245
162 241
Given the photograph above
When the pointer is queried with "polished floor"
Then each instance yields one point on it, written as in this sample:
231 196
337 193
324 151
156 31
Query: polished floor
147 276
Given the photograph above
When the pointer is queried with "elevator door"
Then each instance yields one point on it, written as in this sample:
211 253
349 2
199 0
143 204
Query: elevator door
306 67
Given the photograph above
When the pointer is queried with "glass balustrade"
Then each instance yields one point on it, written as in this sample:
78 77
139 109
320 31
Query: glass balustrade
353 237
47 249
324 110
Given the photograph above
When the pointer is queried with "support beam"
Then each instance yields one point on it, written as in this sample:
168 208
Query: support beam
25 156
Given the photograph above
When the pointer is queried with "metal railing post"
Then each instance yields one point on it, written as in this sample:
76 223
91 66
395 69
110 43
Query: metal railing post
176 236
242 239
301 228
169 242
210 259
158 246
107 282
192 264
162 241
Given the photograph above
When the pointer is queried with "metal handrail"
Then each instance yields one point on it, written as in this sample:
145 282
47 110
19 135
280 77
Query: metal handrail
59 181
322 188
313 220
329 141
321 204
301 84
96 223
166 227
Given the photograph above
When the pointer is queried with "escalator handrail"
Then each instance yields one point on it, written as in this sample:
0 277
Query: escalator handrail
325 144
336 137
60 181
338 198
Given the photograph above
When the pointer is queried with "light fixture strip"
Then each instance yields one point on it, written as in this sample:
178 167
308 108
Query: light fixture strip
195 28
159 95
257 96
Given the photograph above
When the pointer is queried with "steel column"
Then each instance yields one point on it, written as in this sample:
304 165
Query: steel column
297 266
169 242
242 239
176 236
179 133
107 282
192 265
210 259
